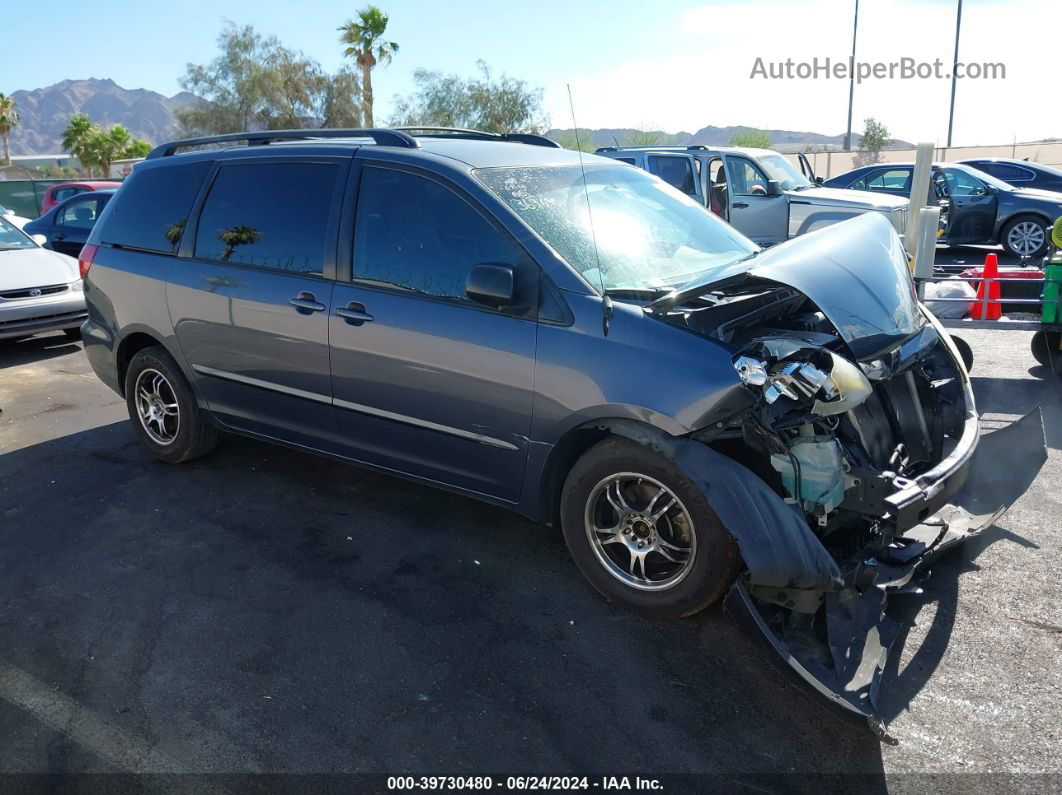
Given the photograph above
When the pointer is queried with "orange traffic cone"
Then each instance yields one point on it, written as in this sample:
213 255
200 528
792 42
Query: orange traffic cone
994 310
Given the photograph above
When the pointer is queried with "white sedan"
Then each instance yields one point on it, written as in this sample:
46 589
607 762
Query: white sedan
40 290
17 220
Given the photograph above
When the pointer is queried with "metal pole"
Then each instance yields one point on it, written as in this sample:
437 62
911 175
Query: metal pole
919 196
954 69
851 79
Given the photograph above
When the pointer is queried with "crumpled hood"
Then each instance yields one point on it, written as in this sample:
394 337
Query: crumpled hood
844 197
855 271
35 267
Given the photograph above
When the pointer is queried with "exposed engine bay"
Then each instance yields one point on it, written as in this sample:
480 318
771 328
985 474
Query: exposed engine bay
838 434
854 452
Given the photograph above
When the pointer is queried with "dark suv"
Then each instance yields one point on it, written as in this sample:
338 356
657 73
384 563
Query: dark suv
562 334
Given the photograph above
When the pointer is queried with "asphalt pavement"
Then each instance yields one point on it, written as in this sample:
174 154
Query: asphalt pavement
265 611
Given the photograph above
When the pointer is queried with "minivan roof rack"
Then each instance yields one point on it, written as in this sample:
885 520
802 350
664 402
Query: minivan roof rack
383 137
480 135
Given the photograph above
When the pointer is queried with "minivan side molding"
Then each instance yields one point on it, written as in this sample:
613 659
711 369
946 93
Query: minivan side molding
358 407
244 379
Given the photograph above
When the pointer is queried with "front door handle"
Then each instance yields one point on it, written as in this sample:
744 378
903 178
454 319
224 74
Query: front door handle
305 303
740 205
354 313
59 236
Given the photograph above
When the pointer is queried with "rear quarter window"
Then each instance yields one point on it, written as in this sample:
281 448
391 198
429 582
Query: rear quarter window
151 209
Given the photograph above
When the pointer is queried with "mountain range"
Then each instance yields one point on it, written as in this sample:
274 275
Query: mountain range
44 113
788 140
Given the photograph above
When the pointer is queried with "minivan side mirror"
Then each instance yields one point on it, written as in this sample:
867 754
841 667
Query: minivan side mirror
773 188
491 284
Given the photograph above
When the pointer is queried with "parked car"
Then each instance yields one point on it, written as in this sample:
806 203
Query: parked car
980 208
1019 173
11 218
66 226
40 290
568 337
760 193
62 191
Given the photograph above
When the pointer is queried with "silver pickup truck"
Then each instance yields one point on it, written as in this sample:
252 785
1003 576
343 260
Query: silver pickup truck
761 193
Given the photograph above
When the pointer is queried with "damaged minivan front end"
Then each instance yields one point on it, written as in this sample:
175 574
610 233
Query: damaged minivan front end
854 463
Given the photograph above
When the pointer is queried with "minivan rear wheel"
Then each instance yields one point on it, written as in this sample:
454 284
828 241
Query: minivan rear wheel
643 534
163 408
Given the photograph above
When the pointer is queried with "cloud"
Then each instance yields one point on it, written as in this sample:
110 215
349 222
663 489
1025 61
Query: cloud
699 70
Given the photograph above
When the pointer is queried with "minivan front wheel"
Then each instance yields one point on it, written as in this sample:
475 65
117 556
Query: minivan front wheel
643 534
163 408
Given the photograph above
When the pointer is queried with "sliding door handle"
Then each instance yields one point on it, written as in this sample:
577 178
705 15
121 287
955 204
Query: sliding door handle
354 313
305 303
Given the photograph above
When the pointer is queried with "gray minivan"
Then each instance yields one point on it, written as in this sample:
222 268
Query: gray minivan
564 335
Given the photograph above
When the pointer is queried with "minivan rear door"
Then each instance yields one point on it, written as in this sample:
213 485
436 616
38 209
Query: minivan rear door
249 298
426 381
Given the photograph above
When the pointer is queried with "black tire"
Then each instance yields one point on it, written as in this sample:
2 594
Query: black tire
715 559
193 434
1046 351
965 351
1045 236
72 333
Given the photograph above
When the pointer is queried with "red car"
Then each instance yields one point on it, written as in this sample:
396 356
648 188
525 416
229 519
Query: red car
64 190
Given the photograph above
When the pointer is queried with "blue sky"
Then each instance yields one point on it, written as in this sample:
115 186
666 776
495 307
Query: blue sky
675 65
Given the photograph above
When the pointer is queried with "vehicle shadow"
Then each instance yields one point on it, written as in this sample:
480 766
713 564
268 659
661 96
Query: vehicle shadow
35 349
1000 396
941 592
262 608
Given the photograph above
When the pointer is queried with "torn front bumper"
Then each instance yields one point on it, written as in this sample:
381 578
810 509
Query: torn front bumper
835 638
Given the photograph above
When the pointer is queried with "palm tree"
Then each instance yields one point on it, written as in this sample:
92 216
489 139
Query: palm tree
78 137
8 120
365 44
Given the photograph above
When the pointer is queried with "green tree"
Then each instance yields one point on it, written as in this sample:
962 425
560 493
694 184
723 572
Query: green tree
364 42
645 137
340 100
97 148
256 83
584 141
480 103
138 147
875 138
232 87
751 138
8 122
77 136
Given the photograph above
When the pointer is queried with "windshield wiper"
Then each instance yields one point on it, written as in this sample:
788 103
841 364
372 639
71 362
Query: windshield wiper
648 293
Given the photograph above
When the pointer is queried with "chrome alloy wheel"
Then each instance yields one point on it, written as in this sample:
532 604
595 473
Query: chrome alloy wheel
640 531
1025 238
156 405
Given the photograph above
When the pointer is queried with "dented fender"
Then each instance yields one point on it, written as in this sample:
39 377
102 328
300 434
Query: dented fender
778 547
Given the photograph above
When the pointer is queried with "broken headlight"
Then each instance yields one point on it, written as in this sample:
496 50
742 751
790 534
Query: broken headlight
784 370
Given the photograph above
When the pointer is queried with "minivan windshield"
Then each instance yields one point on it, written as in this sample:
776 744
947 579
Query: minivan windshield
12 238
778 168
645 234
